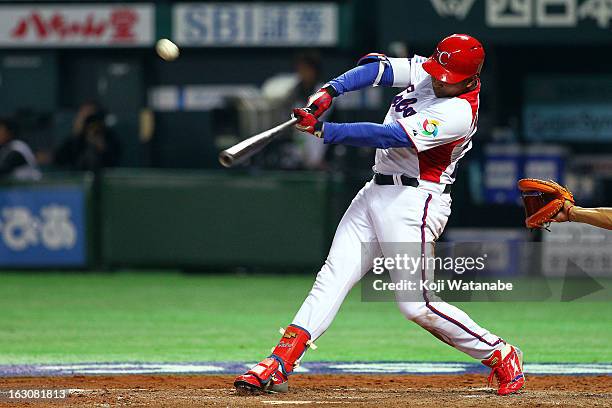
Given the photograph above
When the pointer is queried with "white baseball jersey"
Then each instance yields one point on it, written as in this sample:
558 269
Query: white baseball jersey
441 129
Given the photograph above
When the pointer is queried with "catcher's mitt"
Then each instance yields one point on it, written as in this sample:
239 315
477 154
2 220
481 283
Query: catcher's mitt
543 200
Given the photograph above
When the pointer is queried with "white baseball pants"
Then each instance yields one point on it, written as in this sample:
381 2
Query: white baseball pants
382 214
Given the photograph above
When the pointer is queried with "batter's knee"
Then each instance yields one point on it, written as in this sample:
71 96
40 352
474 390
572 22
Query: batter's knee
414 311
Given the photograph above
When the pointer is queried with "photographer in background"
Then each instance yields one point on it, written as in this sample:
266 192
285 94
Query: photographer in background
16 158
92 145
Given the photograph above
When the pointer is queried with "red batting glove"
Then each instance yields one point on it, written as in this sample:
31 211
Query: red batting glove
307 122
321 100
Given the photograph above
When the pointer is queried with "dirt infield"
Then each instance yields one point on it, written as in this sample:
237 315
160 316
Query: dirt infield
314 390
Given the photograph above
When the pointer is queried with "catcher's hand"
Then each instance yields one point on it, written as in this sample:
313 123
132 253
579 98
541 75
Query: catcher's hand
543 201
564 214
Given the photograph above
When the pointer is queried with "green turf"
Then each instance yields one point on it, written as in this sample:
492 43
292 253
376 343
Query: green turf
74 317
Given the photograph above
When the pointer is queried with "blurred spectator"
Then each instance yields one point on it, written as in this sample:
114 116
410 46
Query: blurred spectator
308 69
310 153
286 92
16 158
92 145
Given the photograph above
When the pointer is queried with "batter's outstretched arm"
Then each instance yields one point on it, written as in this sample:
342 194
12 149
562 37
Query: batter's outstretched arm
366 134
372 70
363 76
361 134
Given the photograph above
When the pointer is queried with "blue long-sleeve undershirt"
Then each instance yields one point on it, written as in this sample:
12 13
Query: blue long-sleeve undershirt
361 77
365 134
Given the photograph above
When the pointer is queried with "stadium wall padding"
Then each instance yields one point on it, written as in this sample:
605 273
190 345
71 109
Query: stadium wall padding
184 218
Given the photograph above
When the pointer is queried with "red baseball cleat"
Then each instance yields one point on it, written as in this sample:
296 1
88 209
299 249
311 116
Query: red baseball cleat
507 366
264 377
272 373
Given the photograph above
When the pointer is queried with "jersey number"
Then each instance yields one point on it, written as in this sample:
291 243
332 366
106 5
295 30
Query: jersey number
403 105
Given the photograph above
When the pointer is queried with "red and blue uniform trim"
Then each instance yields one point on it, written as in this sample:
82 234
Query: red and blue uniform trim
427 304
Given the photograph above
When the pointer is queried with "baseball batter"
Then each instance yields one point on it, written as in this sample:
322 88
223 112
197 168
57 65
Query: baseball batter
427 130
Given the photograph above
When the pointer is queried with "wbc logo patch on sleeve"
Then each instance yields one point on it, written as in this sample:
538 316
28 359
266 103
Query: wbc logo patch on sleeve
430 127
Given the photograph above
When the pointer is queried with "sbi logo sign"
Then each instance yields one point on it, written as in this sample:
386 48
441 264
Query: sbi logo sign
219 24
242 24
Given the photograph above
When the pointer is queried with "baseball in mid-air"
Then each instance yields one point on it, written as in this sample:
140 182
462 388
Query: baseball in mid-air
167 50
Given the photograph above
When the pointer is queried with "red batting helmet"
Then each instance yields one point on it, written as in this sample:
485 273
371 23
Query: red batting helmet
457 57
